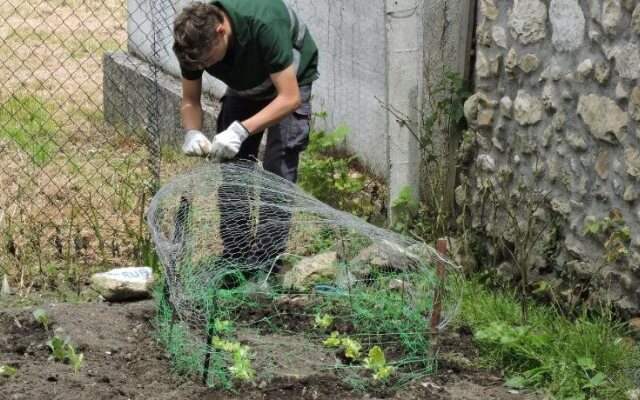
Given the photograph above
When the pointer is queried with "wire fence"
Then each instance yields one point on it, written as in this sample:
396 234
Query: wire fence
76 174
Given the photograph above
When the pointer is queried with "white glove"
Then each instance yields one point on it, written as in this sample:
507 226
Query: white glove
196 144
227 144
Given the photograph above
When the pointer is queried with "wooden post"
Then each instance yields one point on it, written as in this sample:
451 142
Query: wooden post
441 247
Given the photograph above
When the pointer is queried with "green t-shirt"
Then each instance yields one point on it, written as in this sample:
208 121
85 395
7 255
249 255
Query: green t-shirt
267 37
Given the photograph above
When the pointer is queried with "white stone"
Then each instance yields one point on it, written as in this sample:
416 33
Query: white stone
482 65
632 159
627 60
489 9
528 21
621 92
576 141
585 68
121 284
550 97
527 108
512 60
529 63
506 105
486 163
567 24
611 16
499 36
602 116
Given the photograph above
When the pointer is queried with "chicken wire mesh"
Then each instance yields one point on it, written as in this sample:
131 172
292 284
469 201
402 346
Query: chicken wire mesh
79 153
263 280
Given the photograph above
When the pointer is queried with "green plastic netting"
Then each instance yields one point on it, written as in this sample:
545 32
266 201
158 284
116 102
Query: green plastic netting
263 280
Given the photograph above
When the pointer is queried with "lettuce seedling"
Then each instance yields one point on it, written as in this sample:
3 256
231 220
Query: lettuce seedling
75 359
333 340
376 362
351 348
58 347
42 317
323 322
241 368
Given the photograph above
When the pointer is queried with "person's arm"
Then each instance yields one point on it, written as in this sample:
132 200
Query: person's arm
227 144
191 109
286 101
195 142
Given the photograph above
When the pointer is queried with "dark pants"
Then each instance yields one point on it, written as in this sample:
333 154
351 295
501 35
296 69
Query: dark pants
285 141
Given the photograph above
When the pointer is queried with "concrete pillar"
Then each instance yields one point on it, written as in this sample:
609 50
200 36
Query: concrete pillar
404 76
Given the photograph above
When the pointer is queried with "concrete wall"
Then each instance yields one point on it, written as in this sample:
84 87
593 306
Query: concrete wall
557 109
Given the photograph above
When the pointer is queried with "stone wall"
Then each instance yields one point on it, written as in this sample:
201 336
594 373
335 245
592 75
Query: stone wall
556 114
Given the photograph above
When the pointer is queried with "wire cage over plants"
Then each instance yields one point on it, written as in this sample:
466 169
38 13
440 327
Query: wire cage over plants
263 280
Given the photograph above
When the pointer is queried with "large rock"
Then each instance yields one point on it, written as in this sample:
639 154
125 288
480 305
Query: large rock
611 16
489 9
122 284
627 59
567 24
528 21
368 258
632 159
602 116
527 108
311 271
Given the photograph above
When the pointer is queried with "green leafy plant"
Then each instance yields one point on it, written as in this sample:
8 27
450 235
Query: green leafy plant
7 371
58 345
74 358
42 317
333 340
351 348
329 177
324 321
377 362
241 368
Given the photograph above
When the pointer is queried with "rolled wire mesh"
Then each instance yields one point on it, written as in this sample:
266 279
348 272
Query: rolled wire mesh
251 259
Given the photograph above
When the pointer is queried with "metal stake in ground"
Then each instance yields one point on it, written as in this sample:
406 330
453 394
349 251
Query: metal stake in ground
437 299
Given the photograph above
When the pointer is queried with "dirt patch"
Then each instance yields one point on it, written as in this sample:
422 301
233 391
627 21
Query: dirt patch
124 361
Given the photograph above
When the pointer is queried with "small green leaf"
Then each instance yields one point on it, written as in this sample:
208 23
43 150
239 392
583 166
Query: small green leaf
596 380
586 363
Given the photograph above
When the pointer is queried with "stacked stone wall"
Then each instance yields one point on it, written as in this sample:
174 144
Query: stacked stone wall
556 110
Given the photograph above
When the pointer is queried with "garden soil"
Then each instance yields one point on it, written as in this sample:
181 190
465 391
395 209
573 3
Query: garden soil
124 361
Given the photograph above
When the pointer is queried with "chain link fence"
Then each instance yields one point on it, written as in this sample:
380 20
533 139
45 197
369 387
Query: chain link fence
74 185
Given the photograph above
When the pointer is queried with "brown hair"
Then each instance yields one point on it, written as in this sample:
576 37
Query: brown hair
194 33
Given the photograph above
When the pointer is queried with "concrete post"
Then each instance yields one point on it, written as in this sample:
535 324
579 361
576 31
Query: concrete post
404 76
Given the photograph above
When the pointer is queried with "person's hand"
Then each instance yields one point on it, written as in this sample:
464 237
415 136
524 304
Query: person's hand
196 144
227 144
